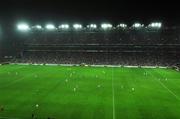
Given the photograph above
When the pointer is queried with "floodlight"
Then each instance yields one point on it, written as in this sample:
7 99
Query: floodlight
92 26
155 25
122 25
137 25
50 27
106 26
64 26
38 27
23 27
77 26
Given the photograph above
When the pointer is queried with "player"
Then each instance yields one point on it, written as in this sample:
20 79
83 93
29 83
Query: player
2 108
99 86
37 105
32 116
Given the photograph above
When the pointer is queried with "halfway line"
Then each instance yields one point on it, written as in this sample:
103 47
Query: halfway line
113 102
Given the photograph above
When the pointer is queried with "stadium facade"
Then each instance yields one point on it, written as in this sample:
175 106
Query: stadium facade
152 45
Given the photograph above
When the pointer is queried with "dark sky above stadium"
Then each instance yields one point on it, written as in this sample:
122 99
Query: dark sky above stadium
128 11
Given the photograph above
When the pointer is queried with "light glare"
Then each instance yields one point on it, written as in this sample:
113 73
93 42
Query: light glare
106 26
77 26
92 26
64 26
38 26
23 27
50 27
155 25
137 25
122 25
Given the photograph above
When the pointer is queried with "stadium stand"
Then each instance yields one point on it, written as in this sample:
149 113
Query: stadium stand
145 46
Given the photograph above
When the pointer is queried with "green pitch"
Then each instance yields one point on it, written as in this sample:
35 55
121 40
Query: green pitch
88 93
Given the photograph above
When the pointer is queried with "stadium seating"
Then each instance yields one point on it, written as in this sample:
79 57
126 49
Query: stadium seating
116 46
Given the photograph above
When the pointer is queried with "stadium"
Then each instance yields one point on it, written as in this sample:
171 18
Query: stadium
90 71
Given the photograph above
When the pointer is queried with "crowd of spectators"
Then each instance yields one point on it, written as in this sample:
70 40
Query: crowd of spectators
136 37
100 58
34 47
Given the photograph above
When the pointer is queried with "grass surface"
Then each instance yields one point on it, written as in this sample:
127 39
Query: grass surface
89 92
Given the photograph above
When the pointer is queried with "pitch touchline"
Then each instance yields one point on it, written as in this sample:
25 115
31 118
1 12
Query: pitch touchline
113 102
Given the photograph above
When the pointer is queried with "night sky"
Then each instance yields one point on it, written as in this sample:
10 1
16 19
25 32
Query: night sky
127 11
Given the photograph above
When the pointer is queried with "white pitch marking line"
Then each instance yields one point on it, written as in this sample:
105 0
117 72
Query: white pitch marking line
170 91
8 118
113 101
